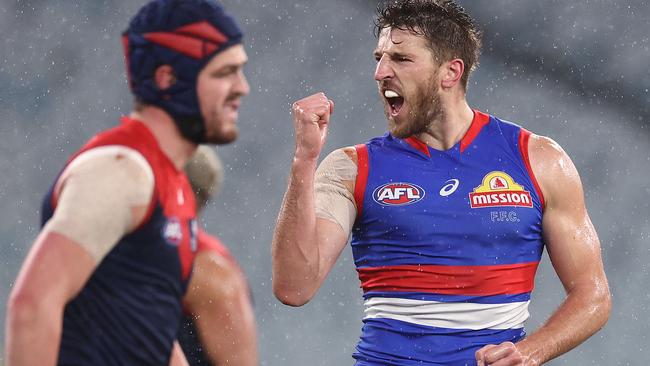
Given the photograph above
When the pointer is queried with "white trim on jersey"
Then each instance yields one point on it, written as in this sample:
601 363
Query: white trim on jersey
452 315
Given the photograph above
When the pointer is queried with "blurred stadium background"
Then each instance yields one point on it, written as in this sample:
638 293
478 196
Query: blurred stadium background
573 70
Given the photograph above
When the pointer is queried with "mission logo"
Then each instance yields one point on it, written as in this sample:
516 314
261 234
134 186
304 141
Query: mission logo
397 194
499 189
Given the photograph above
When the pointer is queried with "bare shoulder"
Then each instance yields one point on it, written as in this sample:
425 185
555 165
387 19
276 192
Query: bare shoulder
553 168
215 265
545 146
209 266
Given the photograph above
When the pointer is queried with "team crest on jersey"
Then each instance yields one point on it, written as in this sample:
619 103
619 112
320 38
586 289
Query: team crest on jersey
173 231
397 194
499 189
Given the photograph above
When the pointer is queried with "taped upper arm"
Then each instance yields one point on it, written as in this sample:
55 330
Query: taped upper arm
103 194
334 187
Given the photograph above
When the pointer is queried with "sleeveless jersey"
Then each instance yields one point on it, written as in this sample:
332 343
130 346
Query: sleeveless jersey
446 244
129 311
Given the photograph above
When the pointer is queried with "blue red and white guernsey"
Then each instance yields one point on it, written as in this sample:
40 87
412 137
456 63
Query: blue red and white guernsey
446 244
129 311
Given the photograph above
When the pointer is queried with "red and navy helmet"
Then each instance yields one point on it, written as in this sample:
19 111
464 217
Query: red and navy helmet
184 34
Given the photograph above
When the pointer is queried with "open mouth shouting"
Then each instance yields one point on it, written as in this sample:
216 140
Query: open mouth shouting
394 101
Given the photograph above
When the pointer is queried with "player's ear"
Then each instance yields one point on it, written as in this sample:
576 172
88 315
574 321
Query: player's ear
452 72
165 77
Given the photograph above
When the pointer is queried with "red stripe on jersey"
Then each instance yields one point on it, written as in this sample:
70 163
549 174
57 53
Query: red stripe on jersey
508 279
480 119
524 136
362 176
418 145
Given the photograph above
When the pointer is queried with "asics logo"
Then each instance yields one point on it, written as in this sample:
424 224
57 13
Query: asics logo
450 187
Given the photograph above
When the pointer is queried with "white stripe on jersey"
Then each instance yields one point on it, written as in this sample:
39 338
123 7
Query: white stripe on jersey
453 315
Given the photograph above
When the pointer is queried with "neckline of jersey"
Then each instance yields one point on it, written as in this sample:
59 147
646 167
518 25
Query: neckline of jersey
478 122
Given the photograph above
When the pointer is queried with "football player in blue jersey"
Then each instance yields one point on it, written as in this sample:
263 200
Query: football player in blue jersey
105 280
448 212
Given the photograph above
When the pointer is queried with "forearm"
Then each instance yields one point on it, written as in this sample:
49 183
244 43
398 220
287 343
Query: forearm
295 245
582 314
33 333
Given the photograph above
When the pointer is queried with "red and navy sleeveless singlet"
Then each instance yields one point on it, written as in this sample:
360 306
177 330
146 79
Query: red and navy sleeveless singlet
129 311
446 244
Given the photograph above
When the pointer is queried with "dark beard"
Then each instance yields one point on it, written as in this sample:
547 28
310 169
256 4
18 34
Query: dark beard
425 109
216 135
222 138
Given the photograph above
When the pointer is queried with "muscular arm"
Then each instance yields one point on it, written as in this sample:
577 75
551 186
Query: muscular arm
305 247
574 250
218 298
89 218
35 308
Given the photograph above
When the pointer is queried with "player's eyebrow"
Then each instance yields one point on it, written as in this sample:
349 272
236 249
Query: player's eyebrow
228 68
393 55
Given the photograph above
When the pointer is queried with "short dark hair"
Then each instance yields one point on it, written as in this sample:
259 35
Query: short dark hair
450 31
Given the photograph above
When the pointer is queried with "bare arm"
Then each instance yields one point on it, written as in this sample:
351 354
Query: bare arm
574 250
177 358
35 309
68 249
305 247
218 298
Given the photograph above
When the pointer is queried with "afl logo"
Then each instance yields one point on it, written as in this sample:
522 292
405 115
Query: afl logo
173 231
397 194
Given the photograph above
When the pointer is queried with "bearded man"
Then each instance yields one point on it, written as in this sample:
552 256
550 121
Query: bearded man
105 280
448 212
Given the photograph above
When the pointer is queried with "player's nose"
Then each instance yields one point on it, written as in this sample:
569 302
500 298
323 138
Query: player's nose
384 70
241 86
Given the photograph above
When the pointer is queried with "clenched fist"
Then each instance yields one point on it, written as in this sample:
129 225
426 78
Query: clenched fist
504 354
311 116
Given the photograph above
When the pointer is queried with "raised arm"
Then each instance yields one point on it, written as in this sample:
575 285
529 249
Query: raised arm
574 250
305 246
101 195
